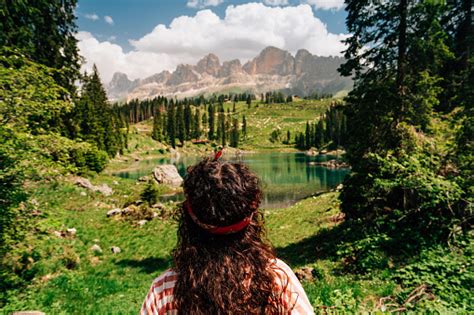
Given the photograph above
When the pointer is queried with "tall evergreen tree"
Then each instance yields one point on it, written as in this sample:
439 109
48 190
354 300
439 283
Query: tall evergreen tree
180 127
212 113
157 126
171 124
235 134
244 127
188 120
197 124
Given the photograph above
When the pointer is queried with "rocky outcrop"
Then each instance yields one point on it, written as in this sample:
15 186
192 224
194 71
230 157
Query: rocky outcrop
273 69
184 73
230 68
120 85
210 64
167 174
271 60
85 183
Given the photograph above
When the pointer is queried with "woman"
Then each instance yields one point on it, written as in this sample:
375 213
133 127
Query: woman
222 264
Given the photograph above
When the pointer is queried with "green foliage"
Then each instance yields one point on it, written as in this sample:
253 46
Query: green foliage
45 31
94 120
151 193
31 100
448 273
77 157
11 190
275 136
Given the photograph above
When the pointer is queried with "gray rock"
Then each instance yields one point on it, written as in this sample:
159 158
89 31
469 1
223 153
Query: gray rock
83 182
115 249
167 174
71 232
83 193
142 222
113 212
158 205
104 189
96 249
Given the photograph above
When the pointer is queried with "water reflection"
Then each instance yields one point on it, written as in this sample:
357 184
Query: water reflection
286 177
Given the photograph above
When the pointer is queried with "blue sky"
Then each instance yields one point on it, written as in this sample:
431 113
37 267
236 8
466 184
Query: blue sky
118 35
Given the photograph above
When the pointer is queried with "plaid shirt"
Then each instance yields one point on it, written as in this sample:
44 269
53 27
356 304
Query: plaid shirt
160 299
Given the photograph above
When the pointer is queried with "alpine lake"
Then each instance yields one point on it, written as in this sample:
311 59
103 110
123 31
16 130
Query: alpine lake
286 177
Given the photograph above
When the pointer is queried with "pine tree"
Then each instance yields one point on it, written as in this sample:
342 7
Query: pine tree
180 128
235 135
249 101
244 127
187 121
320 140
197 125
307 136
171 124
95 119
157 126
212 113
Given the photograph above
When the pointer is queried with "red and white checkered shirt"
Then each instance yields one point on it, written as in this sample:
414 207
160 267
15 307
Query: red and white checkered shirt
160 299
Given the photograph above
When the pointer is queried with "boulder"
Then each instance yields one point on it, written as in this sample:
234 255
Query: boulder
142 222
85 183
71 232
167 174
115 249
312 152
113 212
96 249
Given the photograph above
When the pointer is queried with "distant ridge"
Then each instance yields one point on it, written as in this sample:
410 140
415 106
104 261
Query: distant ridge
273 69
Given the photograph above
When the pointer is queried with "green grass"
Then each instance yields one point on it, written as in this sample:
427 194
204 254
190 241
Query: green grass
70 278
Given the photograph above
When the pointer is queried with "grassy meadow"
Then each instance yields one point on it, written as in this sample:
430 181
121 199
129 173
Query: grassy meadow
65 276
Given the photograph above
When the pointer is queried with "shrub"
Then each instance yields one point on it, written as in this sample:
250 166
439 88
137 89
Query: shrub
151 193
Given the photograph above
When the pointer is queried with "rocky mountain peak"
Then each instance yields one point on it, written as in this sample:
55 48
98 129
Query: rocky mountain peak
210 64
272 70
182 74
271 60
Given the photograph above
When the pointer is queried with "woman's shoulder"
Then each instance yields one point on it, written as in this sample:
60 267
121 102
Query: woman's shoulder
167 278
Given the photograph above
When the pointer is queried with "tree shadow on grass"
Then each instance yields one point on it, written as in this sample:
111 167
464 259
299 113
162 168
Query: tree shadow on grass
146 265
323 245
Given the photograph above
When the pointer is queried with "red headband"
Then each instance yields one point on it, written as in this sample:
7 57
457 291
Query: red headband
220 230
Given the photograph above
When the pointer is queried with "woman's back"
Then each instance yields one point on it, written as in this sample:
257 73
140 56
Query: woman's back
222 262
160 298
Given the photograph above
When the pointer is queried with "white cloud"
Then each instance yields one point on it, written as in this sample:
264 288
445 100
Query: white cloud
93 17
243 32
108 19
275 2
327 4
199 4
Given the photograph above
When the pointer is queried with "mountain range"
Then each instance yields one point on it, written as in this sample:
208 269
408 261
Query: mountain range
273 69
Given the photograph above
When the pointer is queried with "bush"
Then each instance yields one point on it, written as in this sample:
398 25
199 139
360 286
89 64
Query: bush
448 273
151 193
73 155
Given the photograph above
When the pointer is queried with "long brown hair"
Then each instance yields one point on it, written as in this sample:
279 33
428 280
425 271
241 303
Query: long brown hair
224 274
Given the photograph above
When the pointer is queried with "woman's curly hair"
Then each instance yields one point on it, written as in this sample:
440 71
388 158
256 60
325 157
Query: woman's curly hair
224 274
